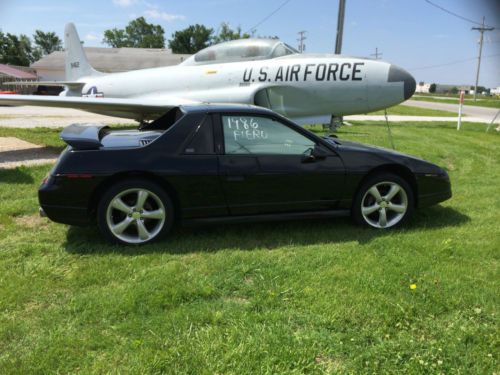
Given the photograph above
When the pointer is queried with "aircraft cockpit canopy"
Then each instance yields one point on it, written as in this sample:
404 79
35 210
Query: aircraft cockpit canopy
241 50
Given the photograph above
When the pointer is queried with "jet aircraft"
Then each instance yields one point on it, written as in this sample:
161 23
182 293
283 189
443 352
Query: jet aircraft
308 88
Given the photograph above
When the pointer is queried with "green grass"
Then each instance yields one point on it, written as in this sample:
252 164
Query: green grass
405 110
48 137
292 297
490 102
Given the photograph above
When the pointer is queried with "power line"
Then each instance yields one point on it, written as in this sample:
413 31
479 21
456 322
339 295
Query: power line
453 13
252 29
451 63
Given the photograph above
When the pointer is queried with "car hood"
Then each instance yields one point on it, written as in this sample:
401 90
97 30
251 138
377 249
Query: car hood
416 164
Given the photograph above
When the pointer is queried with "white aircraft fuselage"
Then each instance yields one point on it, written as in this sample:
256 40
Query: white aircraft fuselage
297 86
308 88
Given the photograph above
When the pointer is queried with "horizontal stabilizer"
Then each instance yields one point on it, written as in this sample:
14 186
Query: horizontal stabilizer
136 109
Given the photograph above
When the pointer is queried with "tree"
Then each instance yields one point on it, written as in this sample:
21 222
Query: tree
137 34
191 39
16 50
47 42
226 34
432 88
454 90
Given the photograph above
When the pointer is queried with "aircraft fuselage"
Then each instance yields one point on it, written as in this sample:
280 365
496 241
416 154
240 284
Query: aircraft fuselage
298 86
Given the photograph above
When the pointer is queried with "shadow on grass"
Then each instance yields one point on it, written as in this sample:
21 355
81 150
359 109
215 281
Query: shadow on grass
260 236
18 175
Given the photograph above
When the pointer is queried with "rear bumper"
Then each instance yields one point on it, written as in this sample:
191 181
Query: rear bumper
65 214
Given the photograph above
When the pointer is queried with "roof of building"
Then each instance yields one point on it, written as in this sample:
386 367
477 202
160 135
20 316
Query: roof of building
15 72
115 59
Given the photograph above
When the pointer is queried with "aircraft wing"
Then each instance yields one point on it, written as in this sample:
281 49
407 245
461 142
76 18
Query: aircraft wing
136 109
74 85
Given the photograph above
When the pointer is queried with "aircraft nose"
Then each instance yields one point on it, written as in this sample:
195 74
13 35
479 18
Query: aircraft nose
396 74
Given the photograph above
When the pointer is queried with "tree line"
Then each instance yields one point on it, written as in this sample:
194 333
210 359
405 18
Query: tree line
141 34
22 50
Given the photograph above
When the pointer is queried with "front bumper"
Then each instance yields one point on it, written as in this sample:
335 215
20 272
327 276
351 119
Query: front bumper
433 188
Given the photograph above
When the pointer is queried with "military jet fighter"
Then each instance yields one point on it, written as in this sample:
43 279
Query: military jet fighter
308 88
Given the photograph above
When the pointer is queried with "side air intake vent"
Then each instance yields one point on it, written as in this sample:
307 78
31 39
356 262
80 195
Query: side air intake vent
145 142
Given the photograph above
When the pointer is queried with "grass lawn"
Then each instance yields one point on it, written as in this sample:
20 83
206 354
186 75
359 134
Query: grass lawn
292 297
491 102
406 110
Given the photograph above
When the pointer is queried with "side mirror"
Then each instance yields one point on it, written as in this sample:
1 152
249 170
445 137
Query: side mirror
319 152
308 156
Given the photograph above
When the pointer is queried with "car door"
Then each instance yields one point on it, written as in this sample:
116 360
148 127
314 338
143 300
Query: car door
267 166
196 178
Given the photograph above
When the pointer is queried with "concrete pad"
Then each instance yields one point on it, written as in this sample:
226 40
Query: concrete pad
49 117
15 152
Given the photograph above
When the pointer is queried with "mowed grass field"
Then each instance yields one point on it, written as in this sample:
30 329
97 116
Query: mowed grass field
406 110
282 298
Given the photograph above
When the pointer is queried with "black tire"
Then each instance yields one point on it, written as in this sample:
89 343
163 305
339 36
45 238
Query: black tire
140 216
369 211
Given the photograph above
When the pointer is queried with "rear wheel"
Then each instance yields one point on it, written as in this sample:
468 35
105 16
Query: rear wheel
135 212
383 201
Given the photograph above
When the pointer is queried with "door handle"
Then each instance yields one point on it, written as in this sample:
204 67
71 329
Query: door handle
234 178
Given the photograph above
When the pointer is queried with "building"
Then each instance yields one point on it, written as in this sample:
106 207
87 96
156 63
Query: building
495 91
13 73
423 87
108 60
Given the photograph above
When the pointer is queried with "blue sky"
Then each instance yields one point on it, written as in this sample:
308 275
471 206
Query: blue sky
409 33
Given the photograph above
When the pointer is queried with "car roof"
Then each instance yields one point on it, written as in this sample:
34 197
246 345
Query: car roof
227 108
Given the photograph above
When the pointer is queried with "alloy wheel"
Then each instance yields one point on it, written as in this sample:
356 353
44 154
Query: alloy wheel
384 204
135 215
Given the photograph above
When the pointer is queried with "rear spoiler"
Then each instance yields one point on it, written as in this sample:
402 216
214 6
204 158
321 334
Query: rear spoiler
84 136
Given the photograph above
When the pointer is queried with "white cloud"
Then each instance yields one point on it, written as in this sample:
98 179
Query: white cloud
124 3
92 37
156 14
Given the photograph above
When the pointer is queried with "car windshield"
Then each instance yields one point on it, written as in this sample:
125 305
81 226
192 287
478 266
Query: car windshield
241 50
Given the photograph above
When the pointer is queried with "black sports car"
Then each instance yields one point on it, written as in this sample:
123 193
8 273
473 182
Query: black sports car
230 162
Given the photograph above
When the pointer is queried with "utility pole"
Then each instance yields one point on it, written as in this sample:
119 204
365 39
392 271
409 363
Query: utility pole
302 37
376 54
336 121
481 29
340 27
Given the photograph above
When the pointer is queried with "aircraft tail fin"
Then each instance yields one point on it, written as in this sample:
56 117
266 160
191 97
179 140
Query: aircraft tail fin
77 65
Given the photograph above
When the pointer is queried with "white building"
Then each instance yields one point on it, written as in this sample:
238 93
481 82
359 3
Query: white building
423 87
495 91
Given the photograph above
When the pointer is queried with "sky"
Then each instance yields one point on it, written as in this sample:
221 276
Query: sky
431 44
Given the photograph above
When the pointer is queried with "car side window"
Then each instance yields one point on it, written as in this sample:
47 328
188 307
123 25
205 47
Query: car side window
202 141
262 135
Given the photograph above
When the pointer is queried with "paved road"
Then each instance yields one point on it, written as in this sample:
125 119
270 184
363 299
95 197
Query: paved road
471 111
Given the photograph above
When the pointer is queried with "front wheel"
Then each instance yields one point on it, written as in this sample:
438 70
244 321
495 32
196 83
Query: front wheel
383 201
135 212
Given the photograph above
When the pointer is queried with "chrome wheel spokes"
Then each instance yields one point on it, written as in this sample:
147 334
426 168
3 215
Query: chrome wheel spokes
135 215
384 204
